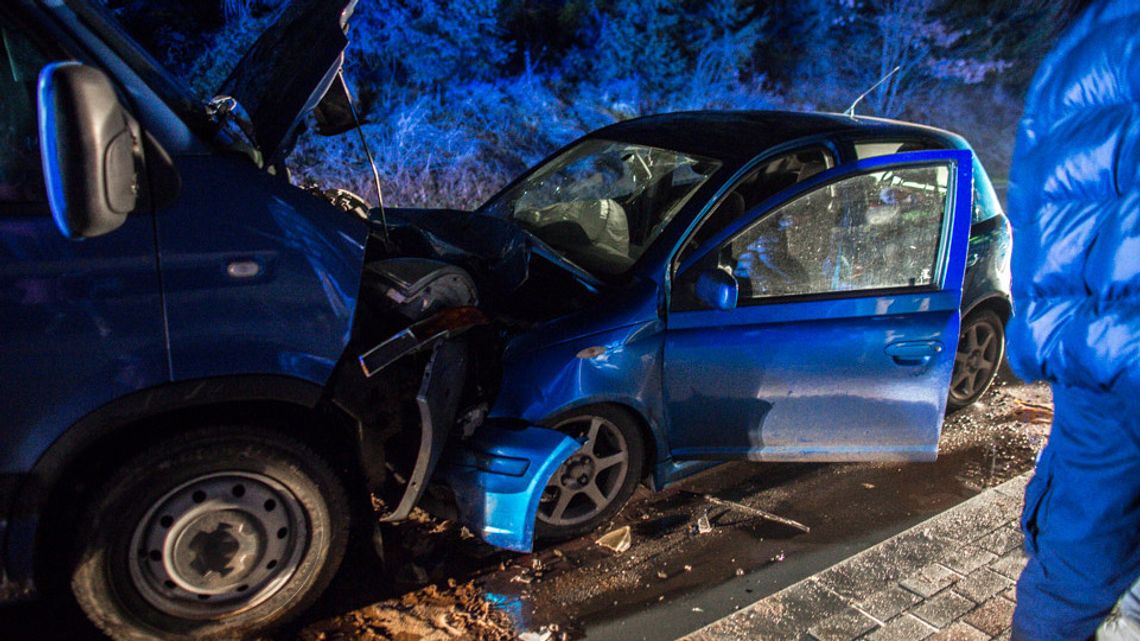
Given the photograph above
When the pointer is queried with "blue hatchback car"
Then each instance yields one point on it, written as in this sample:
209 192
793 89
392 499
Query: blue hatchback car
689 288
209 373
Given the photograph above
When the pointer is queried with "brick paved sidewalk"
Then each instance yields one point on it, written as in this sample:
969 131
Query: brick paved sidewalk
950 578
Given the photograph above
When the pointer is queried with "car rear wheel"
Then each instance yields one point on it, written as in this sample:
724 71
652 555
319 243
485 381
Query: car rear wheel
595 483
221 533
981 346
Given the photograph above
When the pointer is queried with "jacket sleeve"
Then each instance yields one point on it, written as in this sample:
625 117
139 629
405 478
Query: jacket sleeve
1075 209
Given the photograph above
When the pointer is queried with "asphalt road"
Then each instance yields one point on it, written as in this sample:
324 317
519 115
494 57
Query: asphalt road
439 583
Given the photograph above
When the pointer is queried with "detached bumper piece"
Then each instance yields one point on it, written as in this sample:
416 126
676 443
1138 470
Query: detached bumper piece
498 477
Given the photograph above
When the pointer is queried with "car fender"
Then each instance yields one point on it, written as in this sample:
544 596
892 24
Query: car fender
620 366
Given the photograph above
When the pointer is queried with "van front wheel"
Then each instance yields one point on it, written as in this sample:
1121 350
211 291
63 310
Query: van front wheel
220 533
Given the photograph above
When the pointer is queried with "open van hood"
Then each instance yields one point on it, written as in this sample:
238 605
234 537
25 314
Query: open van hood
288 71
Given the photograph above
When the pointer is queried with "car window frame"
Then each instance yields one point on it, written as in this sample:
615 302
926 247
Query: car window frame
986 205
674 263
837 174
829 154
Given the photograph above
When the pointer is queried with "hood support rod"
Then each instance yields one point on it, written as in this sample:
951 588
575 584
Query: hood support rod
367 151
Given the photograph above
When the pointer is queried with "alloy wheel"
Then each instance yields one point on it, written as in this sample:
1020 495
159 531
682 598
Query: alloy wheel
591 479
977 360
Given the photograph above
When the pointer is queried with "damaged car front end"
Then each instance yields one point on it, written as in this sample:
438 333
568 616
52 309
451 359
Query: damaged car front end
433 447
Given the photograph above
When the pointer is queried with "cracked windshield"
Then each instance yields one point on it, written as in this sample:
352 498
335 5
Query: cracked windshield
602 203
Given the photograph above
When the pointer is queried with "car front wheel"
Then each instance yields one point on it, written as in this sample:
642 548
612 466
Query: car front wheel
221 533
981 346
593 484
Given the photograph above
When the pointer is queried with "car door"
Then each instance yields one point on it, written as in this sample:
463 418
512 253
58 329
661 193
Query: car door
841 343
80 321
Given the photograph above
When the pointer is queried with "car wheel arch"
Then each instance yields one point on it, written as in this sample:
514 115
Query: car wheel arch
997 303
90 450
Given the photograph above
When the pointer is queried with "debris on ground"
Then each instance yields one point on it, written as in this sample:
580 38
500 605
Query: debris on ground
740 507
1029 412
618 540
536 636
429 614
868 486
778 558
703 525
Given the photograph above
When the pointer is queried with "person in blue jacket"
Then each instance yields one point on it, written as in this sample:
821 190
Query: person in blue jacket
1074 202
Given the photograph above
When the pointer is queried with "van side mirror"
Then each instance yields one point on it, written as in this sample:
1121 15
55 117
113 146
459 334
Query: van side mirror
717 289
93 153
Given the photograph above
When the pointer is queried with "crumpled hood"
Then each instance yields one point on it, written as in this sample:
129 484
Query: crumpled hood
289 70
494 251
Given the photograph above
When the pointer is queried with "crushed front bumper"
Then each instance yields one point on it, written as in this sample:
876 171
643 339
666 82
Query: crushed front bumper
498 477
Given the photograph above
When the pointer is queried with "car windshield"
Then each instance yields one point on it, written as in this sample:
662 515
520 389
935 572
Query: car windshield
602 203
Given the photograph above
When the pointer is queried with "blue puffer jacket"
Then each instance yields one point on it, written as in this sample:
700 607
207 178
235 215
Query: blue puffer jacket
1074 202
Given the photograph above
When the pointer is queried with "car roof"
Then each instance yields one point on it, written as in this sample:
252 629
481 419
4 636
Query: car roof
742 135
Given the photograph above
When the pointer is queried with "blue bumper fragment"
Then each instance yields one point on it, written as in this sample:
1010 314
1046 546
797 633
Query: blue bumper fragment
498 477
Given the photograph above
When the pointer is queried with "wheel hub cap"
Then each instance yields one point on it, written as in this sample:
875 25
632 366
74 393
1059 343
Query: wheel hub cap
973 361
217 545
578 473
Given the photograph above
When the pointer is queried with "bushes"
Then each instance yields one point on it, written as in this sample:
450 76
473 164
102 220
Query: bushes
461 95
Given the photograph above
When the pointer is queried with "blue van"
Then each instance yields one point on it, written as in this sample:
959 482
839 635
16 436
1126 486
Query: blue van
209 373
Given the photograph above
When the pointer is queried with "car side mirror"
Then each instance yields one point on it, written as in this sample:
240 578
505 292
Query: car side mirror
717 289
93 153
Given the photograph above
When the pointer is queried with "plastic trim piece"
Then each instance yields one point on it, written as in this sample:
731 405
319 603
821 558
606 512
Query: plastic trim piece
438 401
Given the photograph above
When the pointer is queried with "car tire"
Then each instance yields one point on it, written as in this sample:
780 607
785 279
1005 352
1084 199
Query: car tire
595 483
981 347
221 533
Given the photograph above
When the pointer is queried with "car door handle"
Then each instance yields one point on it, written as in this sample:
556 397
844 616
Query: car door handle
911 353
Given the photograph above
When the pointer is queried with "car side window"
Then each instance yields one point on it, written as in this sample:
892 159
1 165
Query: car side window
986 202
21 175
872 148
763 182
878 230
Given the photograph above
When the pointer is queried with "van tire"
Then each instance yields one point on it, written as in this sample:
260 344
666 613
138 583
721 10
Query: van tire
220 533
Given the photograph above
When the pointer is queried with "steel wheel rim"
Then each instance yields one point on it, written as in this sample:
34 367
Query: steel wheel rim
590 480
976 360
217 545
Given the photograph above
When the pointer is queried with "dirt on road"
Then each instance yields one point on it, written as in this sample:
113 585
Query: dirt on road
448 585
